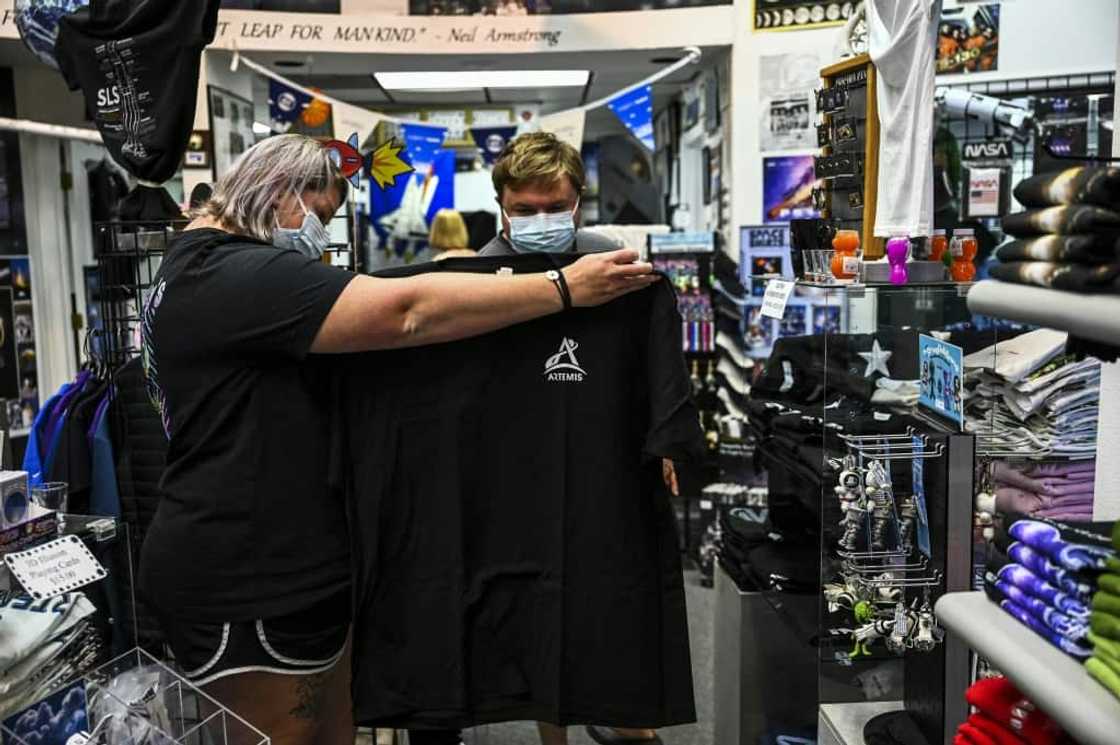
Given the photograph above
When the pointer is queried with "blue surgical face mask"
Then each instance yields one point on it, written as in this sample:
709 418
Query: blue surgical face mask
310 238
547 232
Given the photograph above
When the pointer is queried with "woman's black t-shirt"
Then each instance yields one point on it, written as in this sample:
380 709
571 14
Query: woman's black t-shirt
249 526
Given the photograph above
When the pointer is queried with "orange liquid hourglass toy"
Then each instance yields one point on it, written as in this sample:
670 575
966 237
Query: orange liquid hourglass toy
845 262
964 249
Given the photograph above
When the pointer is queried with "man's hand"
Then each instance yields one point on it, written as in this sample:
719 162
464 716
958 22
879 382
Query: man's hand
601 277
669 474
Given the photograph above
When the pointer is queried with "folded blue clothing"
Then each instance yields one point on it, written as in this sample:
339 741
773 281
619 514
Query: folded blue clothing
1071 628
1076 547
1063 579
1070 647
1033 585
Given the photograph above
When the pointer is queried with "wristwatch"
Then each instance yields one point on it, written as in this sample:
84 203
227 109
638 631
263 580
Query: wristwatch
556 277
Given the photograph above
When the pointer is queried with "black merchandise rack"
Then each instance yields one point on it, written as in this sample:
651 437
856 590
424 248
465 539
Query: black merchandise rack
129 255
1060 104
701 364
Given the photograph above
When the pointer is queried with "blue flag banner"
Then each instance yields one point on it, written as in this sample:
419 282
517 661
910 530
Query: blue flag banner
285 105
635 109
493 140
421 143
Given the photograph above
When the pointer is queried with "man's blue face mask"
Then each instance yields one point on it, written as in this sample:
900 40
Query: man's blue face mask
547 232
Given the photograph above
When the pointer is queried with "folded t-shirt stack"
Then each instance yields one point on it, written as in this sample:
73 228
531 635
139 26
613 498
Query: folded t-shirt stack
1031 397
1068 237
1062 490
1044 573
1105 624
1004 716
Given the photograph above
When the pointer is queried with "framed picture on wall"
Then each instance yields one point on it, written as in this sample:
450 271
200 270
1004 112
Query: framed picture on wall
231 134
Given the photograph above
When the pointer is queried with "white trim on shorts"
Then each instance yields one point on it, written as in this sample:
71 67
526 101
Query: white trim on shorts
190 675
264 669
263 639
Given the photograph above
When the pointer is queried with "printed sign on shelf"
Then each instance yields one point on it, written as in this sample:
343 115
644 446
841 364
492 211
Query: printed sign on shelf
776 297
942 381
63 565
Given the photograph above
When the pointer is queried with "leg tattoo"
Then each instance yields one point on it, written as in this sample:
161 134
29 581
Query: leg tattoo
309 696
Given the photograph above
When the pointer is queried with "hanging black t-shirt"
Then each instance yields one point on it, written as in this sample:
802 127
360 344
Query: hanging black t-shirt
515 551
137 64
248 526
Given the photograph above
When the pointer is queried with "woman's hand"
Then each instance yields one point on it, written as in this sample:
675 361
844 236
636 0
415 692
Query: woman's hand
669 476
599 278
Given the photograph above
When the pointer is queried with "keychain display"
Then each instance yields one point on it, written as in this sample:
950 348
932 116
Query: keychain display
693 303
876 546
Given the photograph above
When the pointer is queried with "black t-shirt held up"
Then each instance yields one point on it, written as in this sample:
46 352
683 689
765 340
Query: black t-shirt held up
515 551
248 527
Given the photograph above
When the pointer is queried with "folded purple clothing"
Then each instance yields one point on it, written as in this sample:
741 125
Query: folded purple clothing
1058 488
1005 475
1014 499
1067 469
1075 514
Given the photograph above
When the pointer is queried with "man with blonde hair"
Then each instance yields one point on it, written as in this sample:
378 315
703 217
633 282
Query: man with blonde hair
538 181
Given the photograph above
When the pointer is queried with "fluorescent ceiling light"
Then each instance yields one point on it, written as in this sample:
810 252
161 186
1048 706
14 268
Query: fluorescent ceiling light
463 80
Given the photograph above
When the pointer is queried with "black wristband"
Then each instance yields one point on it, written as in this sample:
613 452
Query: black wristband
557 278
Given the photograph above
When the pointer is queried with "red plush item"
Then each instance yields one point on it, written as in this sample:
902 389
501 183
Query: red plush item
1005 705
993 729
960 739
975 735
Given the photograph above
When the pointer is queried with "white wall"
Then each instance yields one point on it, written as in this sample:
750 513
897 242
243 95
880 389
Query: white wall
1106 500
1037 37
42 96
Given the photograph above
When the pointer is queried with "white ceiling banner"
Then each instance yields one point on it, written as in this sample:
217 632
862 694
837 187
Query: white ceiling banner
349 119
254 30
566 125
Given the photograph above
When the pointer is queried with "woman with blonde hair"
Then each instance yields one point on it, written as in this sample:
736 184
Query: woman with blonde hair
247 560
448 236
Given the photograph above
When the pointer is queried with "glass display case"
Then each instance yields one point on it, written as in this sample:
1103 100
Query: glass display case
859 415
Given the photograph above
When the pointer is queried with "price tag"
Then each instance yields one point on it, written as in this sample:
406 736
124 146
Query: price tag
776 297
850 265
63 565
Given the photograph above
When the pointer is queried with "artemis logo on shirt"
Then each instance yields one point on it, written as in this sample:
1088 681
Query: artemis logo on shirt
563 366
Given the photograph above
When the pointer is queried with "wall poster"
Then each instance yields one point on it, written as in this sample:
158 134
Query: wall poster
231 128
968 38
787 188
789 109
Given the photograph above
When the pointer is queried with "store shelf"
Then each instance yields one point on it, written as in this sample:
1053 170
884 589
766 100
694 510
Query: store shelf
842 724
1055 682
1093 317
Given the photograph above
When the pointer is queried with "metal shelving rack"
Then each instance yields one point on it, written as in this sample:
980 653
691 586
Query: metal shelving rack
1056 683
